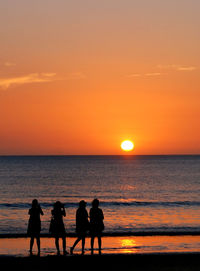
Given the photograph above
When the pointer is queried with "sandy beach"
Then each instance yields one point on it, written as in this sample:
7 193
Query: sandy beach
118 253
150 262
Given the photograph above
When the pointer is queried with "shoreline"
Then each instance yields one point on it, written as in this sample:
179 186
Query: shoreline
108 234
107 255
110 245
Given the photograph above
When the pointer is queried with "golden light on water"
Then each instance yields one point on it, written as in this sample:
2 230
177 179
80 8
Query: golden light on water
128 243
127 145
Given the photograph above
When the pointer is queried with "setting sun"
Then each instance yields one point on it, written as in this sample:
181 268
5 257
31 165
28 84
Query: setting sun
127 145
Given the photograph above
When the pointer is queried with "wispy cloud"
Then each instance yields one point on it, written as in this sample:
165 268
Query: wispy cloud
184 68
177 67
164 70
133 75
153 74
148 74
27 79
9 64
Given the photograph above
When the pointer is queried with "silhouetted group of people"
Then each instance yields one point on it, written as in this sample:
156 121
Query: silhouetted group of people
92 223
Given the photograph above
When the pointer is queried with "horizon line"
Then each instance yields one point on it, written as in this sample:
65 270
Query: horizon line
71 155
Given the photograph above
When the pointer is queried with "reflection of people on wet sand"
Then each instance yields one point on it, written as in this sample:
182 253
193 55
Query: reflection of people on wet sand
34 224
57 227
82 225
96 224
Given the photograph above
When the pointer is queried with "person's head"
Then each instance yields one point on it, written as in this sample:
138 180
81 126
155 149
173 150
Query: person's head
95 203
58 205
82 204
35 203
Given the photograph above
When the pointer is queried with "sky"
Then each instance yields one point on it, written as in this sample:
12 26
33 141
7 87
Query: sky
79 77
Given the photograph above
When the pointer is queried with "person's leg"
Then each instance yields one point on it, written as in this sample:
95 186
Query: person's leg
74 245
99 243
92 245
64 245
57 244
38 244
83 244
31 244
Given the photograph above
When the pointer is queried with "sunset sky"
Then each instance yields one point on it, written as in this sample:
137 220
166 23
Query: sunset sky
81 76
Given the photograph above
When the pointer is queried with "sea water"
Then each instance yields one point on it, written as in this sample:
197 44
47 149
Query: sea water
136 193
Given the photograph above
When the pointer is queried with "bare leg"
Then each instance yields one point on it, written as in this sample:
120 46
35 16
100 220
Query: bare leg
64 245
31 244
83 244
38 244
92 244
57 245
99 243
74 245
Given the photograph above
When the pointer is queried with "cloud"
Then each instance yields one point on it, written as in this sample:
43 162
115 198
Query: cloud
177 67
153 74
189 68
5 83
133 75
163 70
149 74
9 64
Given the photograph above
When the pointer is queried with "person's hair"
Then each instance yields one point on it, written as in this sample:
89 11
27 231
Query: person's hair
82 203
95 203
57 205
34 203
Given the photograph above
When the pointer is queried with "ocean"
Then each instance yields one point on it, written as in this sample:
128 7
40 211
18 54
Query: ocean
138 194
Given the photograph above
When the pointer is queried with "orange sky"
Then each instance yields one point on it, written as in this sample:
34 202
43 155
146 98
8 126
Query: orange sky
78 77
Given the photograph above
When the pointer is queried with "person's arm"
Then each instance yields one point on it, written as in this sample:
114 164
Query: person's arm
102 216
63 212
41 212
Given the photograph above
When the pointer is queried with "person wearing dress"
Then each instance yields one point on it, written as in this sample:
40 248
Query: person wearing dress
82 225
96 224
57 227
34 224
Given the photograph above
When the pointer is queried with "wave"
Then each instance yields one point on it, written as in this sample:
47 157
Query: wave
21 205
152 203
162 231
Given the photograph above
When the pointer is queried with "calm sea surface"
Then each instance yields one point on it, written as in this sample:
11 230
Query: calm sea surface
140 193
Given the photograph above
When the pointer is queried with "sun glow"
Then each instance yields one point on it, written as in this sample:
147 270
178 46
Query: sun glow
127 145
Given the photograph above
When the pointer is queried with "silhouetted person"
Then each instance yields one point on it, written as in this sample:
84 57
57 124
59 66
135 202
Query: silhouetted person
34 224
82 225
57 227
96 224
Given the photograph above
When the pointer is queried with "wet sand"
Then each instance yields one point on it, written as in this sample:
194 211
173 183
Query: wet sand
110 245
151 253
150 262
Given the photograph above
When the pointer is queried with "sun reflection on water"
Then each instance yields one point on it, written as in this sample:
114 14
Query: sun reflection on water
129 245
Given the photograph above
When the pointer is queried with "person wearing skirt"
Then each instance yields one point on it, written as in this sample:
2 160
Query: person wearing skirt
34 224
57 227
